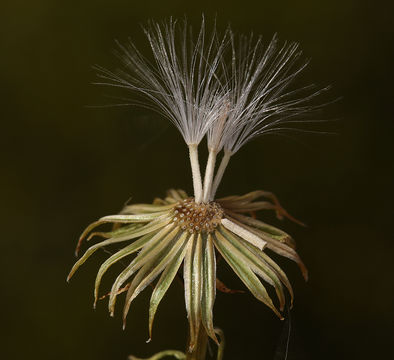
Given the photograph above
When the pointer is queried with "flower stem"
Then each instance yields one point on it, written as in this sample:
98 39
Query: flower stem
200 349
209 172
175 353
222 343
220 172
197 183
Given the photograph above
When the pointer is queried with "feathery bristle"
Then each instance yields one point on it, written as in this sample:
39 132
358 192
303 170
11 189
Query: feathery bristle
258 99
181 80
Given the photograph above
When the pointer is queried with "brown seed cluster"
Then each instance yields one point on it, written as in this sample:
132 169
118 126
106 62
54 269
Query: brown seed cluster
197 217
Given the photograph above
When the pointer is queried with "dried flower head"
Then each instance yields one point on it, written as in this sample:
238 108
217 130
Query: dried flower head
230 88
178 230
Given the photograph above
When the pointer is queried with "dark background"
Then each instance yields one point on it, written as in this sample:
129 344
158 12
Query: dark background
64 164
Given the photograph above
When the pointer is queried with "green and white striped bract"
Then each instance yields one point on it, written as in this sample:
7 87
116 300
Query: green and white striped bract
157 243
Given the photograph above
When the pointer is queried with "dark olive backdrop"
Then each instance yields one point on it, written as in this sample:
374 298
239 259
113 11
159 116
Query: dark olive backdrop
65 164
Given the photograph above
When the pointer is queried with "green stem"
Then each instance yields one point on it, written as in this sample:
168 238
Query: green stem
175 353
199 352
200 349
222 344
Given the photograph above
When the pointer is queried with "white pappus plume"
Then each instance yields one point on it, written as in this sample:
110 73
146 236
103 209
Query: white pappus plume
229 87
181 82
258 99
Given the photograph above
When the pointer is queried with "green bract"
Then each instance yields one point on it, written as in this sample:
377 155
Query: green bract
168 233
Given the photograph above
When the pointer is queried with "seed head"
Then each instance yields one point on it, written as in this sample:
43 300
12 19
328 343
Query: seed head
231 88
202 217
